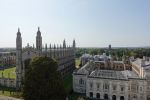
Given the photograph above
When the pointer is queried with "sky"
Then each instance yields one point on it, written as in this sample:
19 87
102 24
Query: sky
92 23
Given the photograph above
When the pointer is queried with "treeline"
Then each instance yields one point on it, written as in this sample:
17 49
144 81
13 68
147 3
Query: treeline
118 53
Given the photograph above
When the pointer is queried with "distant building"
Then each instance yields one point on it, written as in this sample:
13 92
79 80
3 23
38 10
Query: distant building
109 47
7 59
64 55
104 78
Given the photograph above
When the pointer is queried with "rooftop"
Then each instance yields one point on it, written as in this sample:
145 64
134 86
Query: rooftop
142 63
111 74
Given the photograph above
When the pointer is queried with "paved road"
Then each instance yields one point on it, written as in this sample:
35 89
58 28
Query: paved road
8 98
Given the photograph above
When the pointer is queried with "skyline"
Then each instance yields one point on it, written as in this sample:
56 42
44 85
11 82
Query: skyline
91 23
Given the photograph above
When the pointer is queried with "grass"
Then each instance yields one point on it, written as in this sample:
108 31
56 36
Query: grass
77 62
6 91
11 92
8 72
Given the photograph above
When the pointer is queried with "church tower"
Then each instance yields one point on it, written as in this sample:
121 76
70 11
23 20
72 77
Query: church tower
74 44
39 41
64 44
19 67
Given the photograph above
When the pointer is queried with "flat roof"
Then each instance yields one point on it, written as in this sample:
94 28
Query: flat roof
112 74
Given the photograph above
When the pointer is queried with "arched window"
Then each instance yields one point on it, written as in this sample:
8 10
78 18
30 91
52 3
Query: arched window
106 96
114 97
122 98
91 94
148 97
98 95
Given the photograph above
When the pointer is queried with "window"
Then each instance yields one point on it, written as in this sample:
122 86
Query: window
134 97
91 94
121 88
114 87
140 88
98 86
137 88
91 85
28 52
129 97
81 81
148 87
106 86
128 87
141 97
98 95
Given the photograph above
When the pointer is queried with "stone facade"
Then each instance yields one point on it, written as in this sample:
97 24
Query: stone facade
98 79
64 55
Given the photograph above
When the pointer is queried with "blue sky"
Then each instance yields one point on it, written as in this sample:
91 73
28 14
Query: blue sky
92 23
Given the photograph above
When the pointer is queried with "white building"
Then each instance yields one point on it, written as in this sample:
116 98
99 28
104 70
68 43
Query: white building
113 80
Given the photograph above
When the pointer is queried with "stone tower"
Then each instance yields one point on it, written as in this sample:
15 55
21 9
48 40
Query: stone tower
19 66
64 44
39 41
74 44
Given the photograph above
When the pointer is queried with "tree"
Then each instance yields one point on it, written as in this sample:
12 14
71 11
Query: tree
43 81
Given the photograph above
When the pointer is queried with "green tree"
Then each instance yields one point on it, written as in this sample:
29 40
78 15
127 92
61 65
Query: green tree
43 81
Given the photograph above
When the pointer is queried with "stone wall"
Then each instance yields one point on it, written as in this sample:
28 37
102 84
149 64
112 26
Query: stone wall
8 82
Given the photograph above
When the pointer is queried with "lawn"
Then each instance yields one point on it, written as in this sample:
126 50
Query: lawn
8 72
11 92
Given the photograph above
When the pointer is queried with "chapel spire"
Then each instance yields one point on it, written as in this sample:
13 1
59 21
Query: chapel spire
64 44
39 40
74 44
